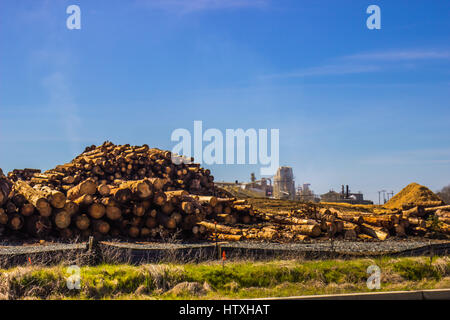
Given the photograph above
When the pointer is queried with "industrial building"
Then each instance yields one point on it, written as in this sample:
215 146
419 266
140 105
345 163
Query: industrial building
284 188
345 196
305 194
259 188
284 184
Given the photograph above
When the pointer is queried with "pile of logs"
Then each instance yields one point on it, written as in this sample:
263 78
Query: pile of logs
147 209
132 209
317 222
138 192
111 164
116 191
23 174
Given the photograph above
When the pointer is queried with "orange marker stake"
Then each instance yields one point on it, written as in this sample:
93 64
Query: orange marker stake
224 257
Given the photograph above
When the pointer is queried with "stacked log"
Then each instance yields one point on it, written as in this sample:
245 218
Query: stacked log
407 222
327 222
5 189
142 209
23 174
140 192
107 163
131 209
118 189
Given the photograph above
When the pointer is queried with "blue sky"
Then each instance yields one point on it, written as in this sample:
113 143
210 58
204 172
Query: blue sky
368 108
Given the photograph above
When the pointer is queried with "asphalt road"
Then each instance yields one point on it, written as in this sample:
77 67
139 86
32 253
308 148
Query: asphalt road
435 294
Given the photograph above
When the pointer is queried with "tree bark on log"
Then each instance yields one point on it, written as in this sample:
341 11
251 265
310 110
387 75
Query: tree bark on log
27 210
228 237
84 201
88 186
211 200
375 232
444 228
56 198
62 219
97 210
417 211
442 213
71 207
101 226
5 189
307 229
433 209
113 213
352 226
219 228
104 190
158 183
82 222
36 198
384 221
19 200
140 189
15 222
159 198
3 217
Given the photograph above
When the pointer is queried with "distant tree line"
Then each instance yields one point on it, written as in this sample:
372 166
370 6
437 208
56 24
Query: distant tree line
444 194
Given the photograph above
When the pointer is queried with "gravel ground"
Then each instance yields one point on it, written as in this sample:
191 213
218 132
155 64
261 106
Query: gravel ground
338 247
16 249
342 246
157 245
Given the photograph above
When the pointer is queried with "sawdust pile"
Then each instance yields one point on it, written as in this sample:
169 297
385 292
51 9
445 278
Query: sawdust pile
412 194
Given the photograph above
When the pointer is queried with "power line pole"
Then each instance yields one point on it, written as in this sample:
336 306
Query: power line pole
379 196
